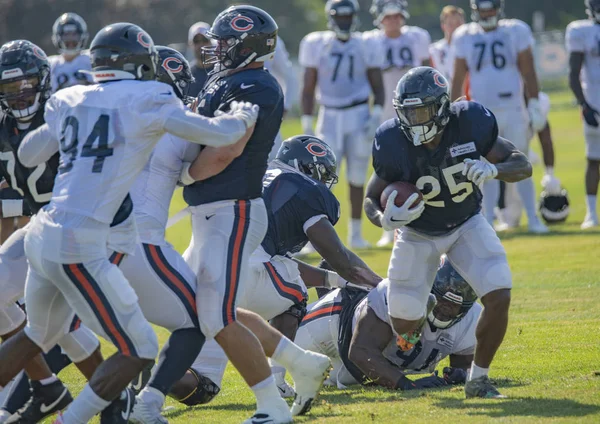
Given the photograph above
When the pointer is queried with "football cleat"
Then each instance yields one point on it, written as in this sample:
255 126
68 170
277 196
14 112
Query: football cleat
537 227
308 374
278 413
386 239
45 401
359 243
147 413
589 222
119 410
482 387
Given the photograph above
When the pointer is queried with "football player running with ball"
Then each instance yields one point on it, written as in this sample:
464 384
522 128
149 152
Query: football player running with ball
447 151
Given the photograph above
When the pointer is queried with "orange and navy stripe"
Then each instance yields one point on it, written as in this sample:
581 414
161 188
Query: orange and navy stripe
172 279
328 309
286 290
75 324
116 258
90 290
235 251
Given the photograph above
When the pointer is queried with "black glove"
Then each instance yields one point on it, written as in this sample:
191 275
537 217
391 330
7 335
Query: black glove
589 114
455 375
430 382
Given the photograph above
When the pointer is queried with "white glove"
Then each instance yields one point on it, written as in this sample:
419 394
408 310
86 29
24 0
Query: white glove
551 184
395 217
536 115
307 124
373 123
479 171
184 176
246 111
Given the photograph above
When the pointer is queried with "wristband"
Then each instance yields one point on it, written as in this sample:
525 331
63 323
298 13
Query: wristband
12 208
334 281
550 170
185 176
307 123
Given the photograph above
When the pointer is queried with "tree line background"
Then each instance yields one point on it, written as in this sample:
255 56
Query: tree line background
168 21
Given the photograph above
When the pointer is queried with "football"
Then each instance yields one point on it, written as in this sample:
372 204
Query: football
405 190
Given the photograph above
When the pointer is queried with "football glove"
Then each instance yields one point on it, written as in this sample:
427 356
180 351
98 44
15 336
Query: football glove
184 176
246 111
589 114
551 184
479 171
430 382
307 124
395 217
373 122
454 375
536 115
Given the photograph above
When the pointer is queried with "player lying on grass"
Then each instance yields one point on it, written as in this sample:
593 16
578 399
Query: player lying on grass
353 327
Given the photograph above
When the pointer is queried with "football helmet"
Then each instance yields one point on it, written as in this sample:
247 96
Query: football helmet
554 208
342 17
174 69
489 22
123 51
454 295
592 8
422 104
69 34
242 35
380 8
24 79
311 156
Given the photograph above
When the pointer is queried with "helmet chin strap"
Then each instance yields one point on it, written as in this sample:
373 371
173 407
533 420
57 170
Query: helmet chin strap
28 113
437 323
421 136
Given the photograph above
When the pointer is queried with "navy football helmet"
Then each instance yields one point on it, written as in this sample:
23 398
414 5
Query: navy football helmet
242 34
24 79
592 8
123 51
554 208
311 156
342 17
454 296
491 21
380 8
174 69
69 34
422 104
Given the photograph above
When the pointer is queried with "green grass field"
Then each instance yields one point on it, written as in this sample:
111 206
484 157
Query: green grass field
549 364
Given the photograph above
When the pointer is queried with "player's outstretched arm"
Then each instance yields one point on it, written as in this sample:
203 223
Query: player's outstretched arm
346 263
458 80
37 147
510 163
222 130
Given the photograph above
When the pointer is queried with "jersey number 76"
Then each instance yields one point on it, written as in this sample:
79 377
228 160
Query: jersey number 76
69 142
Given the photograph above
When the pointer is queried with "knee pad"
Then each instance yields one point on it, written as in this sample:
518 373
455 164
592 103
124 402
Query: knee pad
79 344
406 303
356 173
498 276
205 391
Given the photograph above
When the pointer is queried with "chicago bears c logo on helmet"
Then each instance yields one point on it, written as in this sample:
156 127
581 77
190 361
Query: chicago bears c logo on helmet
39 53
316 149
144 39
439 80
242 23
172 64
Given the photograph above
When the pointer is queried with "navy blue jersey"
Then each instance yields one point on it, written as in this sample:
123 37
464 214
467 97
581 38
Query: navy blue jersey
450 199
34 184
242 179
291 199
200 76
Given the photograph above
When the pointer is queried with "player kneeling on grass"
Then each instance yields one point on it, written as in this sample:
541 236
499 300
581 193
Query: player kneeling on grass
447 151
353 327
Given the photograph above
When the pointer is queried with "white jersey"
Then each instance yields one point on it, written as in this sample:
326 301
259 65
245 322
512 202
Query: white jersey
66 74
434 345
583 37
341 66
283 71
494 77
400 55
442 58
107 134
152 191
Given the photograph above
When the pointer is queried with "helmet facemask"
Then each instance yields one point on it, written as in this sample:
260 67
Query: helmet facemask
592 8
21 97
421 122
318 171
70 41
449 309
343 21
487 21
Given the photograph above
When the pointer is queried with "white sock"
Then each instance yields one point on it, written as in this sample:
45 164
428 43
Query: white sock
49 380
288 353
152 395
477 372
84 407
276 367
590 201
355 228
265 392
526 191
491 194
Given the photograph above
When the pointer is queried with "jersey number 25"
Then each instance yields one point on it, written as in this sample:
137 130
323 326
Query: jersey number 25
456 189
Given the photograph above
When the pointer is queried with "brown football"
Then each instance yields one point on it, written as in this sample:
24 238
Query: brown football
405 190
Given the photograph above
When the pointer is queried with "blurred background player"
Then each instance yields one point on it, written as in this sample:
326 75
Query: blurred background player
69 36
344 68
440 52
584 79
404 48
197 40
497 54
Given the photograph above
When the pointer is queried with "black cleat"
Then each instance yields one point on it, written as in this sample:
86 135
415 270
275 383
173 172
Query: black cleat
119 410
138 383
44 401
